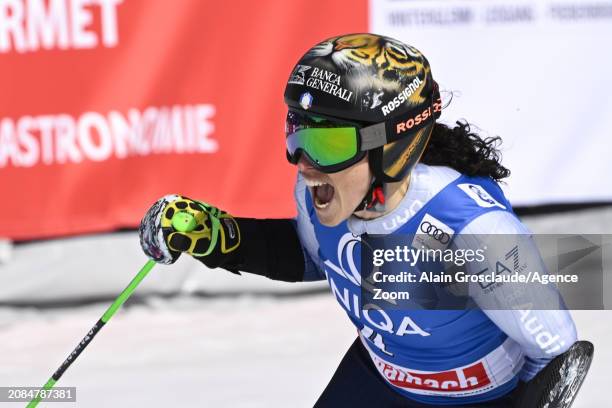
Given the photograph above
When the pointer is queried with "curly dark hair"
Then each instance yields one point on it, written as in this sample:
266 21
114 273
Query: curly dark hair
464 151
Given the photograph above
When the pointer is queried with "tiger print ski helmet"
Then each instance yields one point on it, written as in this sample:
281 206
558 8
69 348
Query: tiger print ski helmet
381 83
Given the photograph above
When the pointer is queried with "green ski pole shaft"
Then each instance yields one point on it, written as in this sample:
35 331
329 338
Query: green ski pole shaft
123 296
181 221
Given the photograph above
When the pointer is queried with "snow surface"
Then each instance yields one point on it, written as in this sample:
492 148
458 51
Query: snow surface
233 352
249 351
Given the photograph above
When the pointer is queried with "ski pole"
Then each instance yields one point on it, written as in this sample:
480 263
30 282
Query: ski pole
181 221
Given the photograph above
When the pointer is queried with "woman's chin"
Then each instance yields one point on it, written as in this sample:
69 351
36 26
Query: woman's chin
330 215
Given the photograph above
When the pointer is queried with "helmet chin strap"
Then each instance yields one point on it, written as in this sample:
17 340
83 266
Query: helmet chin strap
374 200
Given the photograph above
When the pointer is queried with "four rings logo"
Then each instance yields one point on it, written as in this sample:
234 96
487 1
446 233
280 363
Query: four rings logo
432 233
435 232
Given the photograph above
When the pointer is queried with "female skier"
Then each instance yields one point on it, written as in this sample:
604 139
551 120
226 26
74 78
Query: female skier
371 159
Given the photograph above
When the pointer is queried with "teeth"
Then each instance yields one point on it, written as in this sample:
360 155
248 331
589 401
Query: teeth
319 205
313 183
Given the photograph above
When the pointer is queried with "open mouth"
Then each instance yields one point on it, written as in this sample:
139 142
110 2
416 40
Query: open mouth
322 193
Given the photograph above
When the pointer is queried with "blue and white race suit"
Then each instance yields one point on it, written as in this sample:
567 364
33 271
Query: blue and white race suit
440 357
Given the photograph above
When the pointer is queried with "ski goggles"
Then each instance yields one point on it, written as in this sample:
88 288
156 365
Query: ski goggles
332 145
327 144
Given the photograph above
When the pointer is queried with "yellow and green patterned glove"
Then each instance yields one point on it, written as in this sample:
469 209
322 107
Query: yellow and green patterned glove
199 229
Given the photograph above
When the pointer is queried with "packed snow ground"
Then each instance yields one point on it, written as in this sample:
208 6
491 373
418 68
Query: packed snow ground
235 352
223 352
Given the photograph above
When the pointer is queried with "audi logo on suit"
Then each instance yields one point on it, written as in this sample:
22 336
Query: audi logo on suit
435 232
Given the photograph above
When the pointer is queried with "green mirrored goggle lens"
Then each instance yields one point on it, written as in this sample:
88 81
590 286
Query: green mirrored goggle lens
325 146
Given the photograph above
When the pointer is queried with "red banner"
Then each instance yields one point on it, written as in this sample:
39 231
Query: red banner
109 104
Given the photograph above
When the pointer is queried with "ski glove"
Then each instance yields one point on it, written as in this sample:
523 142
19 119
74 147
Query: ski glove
269 247
216 234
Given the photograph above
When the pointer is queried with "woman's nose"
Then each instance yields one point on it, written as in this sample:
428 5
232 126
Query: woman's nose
303 164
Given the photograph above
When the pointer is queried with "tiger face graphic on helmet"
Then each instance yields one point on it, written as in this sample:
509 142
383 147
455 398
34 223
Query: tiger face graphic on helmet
392 70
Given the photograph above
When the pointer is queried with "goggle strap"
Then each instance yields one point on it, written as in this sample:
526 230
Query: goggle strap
394 129
373 136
